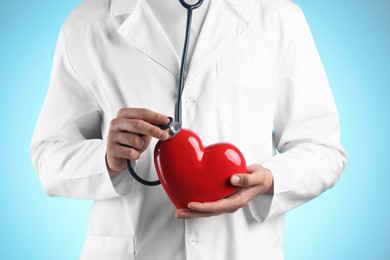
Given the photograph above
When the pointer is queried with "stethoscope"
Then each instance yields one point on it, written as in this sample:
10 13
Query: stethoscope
174 125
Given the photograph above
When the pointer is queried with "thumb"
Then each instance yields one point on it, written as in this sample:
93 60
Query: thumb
247 179
241 180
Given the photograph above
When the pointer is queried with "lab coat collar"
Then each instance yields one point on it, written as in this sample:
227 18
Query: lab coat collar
142 30
120 7
222 27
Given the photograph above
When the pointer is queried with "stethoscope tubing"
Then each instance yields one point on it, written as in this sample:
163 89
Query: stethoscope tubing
190 8
178 110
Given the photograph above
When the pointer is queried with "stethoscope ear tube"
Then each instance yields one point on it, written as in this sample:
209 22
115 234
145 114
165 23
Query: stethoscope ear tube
191 6
183 65
174 127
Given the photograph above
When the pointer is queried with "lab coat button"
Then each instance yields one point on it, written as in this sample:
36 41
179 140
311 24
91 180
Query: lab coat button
189 101
192 241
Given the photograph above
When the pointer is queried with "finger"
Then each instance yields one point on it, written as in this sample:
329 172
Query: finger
123 152
130 140
256 176
147 140
189 214
266 175
139 127
145 115
254 167
226 205
247 180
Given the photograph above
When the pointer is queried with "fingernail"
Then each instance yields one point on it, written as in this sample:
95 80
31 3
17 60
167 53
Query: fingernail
193 205
235 179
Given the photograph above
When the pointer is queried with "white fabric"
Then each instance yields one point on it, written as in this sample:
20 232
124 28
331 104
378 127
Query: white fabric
255 80
173 18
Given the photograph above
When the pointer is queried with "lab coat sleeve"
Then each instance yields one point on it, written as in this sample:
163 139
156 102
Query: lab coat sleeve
306 130
67 150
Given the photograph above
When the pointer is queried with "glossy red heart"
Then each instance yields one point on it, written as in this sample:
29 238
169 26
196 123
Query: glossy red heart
190 172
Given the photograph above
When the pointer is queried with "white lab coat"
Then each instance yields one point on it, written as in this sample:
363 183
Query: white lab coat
255 80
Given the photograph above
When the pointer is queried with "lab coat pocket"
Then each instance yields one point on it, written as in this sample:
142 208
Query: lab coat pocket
245 88
107 248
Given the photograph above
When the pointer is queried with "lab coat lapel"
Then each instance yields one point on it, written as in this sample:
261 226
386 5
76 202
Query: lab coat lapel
222 27
144 32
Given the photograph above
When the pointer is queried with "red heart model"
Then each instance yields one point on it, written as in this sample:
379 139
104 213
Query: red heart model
190 172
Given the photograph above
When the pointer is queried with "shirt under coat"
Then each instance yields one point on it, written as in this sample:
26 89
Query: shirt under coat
255 80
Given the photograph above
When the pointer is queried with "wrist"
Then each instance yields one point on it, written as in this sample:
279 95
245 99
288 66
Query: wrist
112 173
270 182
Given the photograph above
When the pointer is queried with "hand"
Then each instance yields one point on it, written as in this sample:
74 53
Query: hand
258 181
130 134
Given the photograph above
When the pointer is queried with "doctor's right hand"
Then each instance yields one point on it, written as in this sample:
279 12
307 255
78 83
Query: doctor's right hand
130 134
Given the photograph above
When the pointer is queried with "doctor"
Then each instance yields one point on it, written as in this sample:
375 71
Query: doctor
254 79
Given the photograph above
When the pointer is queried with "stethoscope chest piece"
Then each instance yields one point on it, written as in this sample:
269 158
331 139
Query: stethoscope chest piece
172 127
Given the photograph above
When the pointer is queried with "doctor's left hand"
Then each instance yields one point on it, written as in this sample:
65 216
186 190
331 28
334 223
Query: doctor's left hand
258 181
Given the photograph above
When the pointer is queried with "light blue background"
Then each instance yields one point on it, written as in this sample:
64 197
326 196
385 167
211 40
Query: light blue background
350 221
